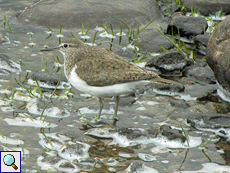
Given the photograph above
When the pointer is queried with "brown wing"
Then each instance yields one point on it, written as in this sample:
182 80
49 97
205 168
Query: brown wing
101 68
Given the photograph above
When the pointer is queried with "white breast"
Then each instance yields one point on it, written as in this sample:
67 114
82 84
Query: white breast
111 90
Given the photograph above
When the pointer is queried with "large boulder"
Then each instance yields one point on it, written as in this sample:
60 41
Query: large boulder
71 13
218 56
208 7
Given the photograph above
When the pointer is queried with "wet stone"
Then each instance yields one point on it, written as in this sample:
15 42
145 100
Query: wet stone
188 27
179 103
201 42
207 97
2 39
170 64
172 134
213 121
77 150
159 87
217 55
140 167
146 157
150 39
48 78
6 64
207 7
71 14
132 133
201 74
66 165
217 107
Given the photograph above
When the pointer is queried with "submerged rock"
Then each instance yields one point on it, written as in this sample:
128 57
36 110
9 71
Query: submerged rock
213 121
201 42
71 13
7 65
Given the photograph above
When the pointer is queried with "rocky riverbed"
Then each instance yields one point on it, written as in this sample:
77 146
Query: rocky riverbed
160 129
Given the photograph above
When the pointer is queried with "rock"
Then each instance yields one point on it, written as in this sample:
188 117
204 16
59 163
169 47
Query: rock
218 56
76 150
179 103
3 39
213 121
67 165
207 97
71 14
150 39
49 79
6 64
170 64
131 133
201 42
160 87
140 167
172 134
201 74
189 27
207 7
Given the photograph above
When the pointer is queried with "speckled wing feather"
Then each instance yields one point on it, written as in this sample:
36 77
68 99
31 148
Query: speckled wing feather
99 67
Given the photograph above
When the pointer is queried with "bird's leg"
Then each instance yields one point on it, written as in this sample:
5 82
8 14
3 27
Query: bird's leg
101 107
116 108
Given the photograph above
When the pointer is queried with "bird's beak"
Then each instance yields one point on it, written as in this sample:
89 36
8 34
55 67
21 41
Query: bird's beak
51 49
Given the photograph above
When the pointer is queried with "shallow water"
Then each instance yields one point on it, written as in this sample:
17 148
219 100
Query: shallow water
75 144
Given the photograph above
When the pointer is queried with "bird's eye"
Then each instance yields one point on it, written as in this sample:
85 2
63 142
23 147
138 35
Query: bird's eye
65 45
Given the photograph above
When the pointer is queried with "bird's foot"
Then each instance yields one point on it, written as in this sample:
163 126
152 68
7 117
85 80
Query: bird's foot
95 120
115 118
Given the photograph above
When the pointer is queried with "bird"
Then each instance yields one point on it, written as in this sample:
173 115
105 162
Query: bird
102 73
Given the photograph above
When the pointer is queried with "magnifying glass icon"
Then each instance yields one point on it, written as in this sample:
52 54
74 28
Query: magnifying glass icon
9 160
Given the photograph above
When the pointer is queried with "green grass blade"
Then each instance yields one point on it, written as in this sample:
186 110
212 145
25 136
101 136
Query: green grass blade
105 29
7 87
9 26
48 140
39 87
208 141
60 30
147 25
142 58
122 22
185 134
172 43
111 29
165 50
49 29
82 28
94 37
44 111
87 30
56 86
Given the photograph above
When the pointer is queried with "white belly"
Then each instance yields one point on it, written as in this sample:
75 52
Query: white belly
111 90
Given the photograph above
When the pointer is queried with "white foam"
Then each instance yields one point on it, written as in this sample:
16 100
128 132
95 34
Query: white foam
146 157
85 37
54 112
210 168
121 34
223 93
21 121
11 141
123 141
45 85
104 34
142 169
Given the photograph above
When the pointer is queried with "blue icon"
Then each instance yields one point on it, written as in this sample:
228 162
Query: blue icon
9 160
